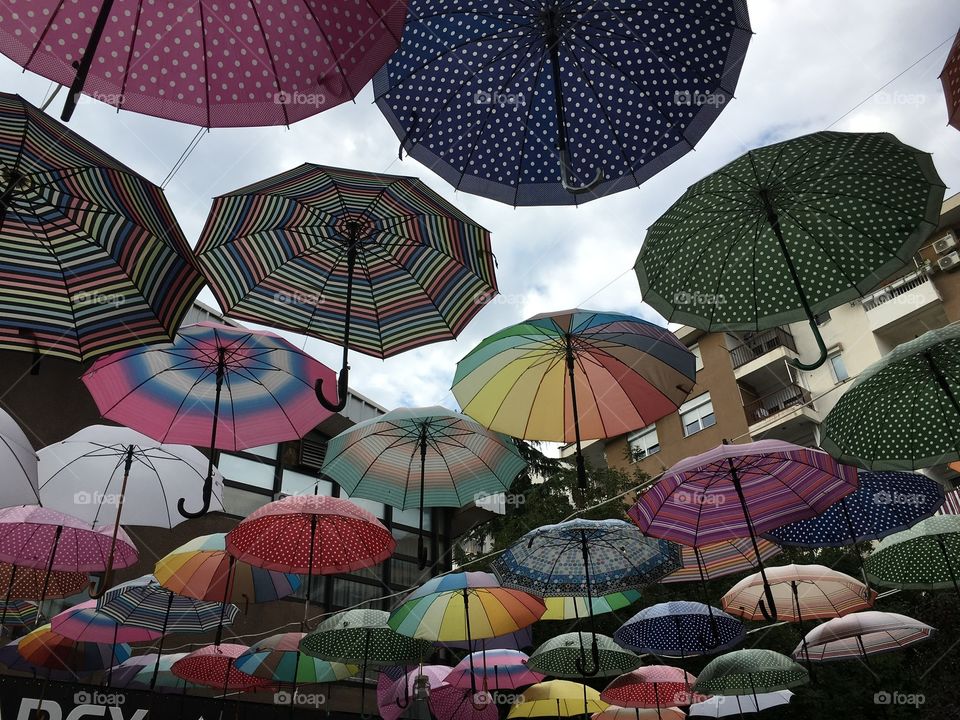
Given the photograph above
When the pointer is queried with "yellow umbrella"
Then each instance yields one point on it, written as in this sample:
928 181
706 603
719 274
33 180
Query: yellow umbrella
557 698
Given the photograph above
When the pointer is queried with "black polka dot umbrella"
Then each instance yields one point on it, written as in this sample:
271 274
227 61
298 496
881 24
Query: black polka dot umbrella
789 231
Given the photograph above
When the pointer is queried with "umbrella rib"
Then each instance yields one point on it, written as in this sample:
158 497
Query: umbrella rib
723 266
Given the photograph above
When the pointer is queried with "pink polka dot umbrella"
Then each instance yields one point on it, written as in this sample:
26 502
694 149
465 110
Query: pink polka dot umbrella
215 666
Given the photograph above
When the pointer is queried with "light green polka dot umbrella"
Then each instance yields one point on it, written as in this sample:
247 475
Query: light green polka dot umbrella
790 230
902 412
750 672
925 557
560 655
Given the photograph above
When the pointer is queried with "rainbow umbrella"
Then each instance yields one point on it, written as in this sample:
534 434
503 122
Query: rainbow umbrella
12 660
524 380
496 670
574 607
94 260
420 458
737 491
20 613
950 78
559 699
522 638
376 263
861 634
278 659
49 649
215 666
653 686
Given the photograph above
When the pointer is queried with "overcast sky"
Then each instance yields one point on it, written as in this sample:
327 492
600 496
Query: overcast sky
810 63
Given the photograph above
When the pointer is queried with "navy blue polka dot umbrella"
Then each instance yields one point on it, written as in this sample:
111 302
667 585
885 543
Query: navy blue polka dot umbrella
553 102
680 629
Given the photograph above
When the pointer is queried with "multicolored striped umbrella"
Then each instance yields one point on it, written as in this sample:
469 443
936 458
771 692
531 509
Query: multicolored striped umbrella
48 649
494 670
573 607
215 666
20 613
902 412
737 491
93 258
420 458
11 659
680 629
750 672
85 622
923 557
562 656
18 463
652 686
615 712
524 380
559 699
719 559
950 78
861 634
522 638
278 658
726 705
376 263
226 387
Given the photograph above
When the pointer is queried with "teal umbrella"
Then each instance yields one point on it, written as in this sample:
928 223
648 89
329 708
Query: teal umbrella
750 672
925 557
789 231
561 656
902 412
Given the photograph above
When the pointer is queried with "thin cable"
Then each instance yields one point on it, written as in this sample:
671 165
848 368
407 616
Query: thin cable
183 157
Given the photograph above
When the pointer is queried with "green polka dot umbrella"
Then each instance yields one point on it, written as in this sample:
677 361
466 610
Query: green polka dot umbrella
902 412
750 672
560 655
790 230
925 557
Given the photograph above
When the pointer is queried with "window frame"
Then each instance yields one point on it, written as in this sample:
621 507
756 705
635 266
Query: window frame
696 404
640 434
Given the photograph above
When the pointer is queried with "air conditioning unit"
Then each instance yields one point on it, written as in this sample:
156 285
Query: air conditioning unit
949 262
945 242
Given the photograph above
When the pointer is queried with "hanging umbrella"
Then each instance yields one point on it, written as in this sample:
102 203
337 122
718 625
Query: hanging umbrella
20 613
585 557
573 607
745 249
522 638
105 474
750 672
524 379
615 712
227 387
420 458
923 557
559 699
215 666
541 103
364 638
950 77
736 491
375 263
902 412
311 534
680 629
493 670
24 583
561 656
204 67
18 463
279 660
724 706
94 260
653 686
137 673
47 648
12 660
395 695
861 634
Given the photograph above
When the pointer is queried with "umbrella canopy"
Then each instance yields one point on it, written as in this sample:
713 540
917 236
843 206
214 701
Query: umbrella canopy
719 559
802 592
12 660
743 248
23 583
750 672
215 666
950 77
203 68
18 463
901 413
278 658
724 706
653 686
680 629
137 673
48 649
494 670
144 603
394 695
572 607
557 698
420 458
20 613
561 655
85 622
861 634
94 260
375 263
522 638
488 95
923 557
225 387
615 712
449 702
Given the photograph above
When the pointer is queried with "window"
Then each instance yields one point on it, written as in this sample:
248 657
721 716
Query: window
697 415
643 443
695 349
246 472
838 367
296 483
411 517
347 593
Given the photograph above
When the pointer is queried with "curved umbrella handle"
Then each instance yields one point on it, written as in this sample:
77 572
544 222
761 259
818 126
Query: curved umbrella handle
342 392
821 346
595 656
207 495
771 614
566 180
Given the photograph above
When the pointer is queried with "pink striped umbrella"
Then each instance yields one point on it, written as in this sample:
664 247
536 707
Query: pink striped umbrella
85 622
861 634
741 491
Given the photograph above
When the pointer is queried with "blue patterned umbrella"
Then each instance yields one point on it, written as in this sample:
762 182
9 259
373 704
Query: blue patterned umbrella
585 558
522 101
680 629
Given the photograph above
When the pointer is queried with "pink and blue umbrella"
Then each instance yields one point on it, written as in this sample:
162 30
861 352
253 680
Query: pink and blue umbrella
680 629
494 670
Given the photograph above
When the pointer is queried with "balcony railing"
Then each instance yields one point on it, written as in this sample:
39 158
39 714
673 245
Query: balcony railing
785 398
760 343
895 289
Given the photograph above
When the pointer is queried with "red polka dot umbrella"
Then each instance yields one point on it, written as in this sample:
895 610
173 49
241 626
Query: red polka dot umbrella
312 535
215 666
654 686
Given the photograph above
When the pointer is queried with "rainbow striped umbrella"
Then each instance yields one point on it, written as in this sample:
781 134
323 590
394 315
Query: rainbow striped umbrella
573 607
226 387
422 457
278 658
376 263
11 659
85 622
20 613
861 634
574 374
719 559
49 649
93 258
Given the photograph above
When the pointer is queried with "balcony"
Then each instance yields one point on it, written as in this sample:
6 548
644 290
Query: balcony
902 299
782 414
776 402
761 348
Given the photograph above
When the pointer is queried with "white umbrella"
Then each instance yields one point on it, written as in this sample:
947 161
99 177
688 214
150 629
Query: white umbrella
105 473
725 705
18 465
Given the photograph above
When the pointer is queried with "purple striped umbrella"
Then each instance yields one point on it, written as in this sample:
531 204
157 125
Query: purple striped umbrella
737 491
861 634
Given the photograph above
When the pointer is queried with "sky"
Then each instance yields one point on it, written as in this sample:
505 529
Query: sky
812 65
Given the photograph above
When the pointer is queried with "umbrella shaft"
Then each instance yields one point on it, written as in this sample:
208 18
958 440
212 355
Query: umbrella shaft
942 381
581 468
86 60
